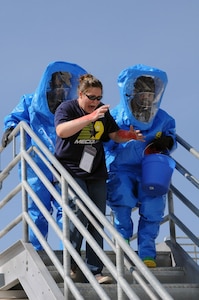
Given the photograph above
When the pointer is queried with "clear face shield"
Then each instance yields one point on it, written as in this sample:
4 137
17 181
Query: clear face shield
144 106
143 97
58 89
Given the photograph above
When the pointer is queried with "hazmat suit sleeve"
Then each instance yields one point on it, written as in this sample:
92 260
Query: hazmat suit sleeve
19 113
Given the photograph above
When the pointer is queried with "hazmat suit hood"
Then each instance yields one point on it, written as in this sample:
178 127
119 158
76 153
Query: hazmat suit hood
141 90
58 83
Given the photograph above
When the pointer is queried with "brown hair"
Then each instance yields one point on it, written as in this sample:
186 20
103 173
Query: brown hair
87 81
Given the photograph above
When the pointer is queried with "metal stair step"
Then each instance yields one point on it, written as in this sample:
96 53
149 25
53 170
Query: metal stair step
164 275
177 291
171 277
163 258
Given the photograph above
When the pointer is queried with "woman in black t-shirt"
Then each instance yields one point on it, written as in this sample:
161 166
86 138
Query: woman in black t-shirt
82 125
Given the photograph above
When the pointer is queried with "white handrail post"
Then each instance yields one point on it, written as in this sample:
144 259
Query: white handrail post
24 178
171 212
66 234
120 269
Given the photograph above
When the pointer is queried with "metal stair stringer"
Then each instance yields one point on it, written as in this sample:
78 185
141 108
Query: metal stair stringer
21 264
182 259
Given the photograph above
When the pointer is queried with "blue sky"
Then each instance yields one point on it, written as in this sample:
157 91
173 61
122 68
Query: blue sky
104 37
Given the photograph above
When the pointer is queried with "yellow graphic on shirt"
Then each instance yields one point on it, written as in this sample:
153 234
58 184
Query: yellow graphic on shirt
91 133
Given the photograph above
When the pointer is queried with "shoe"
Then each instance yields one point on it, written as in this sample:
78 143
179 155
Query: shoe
103 279
149 262
73 274
127 241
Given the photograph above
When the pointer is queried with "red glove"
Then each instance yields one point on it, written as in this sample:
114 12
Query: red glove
128 135
132 134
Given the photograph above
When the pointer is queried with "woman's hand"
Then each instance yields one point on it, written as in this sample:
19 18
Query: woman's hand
99 113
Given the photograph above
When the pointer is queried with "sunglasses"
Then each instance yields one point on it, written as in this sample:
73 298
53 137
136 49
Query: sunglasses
92 97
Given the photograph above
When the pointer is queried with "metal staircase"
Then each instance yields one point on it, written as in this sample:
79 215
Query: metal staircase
28 274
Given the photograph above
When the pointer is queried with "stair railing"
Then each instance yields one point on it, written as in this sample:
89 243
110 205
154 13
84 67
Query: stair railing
70 189
188 203
189 247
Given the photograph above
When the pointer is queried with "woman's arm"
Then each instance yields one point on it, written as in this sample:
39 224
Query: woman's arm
69 128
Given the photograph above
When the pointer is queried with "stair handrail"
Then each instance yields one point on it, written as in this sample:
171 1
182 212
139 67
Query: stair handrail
187 146
173 219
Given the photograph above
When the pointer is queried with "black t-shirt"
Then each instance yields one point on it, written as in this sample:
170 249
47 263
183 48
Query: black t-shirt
69 150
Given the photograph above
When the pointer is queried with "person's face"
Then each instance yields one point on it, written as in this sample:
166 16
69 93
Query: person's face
57 83
145 99
143 106
87 104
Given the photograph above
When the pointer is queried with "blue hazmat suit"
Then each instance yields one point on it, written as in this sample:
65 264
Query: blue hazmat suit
124 160
58 83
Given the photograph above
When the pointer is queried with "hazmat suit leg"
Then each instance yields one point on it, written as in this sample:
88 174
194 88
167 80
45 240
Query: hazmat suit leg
122 221
151 212
59 214
40 222
121 199
44 195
